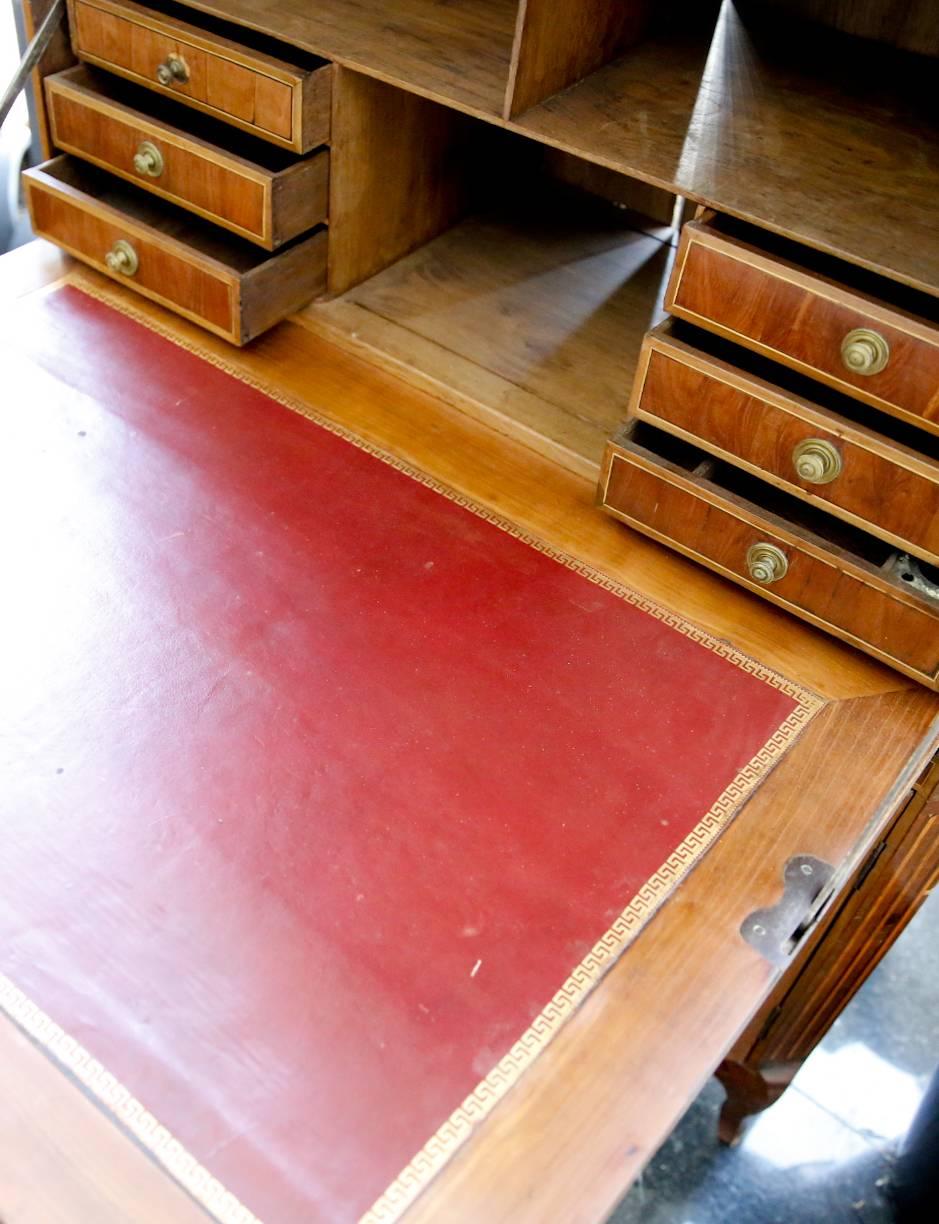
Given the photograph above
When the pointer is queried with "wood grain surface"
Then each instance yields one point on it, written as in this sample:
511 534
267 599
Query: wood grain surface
839 590
58 56
249 88
794 315
886 891
84 228
63 1161
505 312
455 53
752 421
759 127
230 287
913 24
557 42
226 177
398 176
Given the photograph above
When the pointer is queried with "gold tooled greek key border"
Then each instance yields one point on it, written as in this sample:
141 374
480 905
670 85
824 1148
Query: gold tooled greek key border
409 1183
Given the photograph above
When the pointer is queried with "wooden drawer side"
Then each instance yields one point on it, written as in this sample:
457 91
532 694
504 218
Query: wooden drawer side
825 589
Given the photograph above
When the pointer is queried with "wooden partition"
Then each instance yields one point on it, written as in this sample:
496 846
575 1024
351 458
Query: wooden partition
399 175
557 42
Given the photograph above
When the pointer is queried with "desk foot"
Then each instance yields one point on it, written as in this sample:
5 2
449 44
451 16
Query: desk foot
749 1090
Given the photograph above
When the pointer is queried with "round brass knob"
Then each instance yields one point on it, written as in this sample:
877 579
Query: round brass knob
766 563
122 258
864 351
816 461
173 71
148 159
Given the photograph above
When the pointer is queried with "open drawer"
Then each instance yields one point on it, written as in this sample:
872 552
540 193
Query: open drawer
260 192
227 285
223 70
861 465
875 340
831 574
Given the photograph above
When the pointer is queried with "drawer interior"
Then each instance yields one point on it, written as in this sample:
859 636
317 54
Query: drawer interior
237 255
267 157
774 505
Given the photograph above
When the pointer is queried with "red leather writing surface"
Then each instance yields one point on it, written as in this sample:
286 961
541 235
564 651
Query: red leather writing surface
317 784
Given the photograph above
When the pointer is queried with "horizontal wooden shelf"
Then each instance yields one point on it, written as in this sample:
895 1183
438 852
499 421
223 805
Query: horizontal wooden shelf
829 144
530 317
822 139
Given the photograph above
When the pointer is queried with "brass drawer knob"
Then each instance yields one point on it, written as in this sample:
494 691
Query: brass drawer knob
122 258
816 461
766 563
148 159
864 351
173 71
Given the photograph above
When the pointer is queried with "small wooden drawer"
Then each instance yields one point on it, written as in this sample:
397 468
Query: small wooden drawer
203 65
865 471
830 574
251 188
226 285
824 322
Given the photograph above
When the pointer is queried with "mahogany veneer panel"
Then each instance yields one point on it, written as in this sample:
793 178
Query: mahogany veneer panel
884 486
795 316
267 199
271 98
227 285
826 584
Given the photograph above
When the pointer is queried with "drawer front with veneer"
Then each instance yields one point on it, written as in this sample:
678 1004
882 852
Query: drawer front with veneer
280 101
878 352
220 282
837 579
866 473
251 188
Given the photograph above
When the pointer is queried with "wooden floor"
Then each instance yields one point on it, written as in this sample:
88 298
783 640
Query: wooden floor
502 314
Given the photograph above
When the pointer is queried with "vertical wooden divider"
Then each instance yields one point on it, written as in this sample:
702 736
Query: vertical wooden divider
399 175
559 41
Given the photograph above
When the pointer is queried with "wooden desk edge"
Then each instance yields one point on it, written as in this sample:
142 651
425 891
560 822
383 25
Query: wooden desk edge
577 1129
